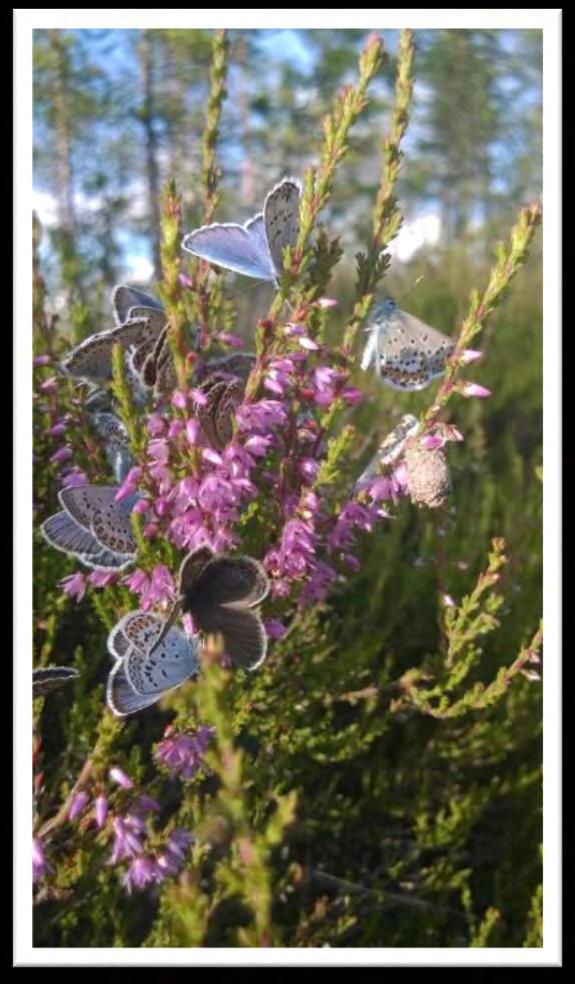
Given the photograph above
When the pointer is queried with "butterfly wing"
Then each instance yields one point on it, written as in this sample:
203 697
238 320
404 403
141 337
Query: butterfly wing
163 668
92 358
125 298
94 507
121 698
370 351
166 378
244 636
281 219
46 679
234 247
145 669
238 364
216 415
63 533
238 581
206 413
116 443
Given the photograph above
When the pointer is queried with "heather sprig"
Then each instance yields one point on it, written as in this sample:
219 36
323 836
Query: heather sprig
387 214
509 259
318 182
435 688
211 171
245 872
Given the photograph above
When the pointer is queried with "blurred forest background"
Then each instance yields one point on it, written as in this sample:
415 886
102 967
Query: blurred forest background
447 810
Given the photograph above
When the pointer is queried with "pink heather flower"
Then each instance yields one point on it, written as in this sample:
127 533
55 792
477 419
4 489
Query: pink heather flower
234 341
129 485
156 425
162 506
141 507
352 395
399 480
180 399
137 581
143 871
380 489
318 586
327 302
474 389
49 385
263 415
74 585
531 675
274 628
101 811
176 427
209 454
42 360
308 344
292 328
192 431
127 841
216 493
74 478
183 754
308 468
63 454
78 804
101 579
187 491
162 588
40 865
57 430
159 450
431 441
171 858
448 601
199 397
120 777
273 385
186 281
178 842
148 804
471 355
259 445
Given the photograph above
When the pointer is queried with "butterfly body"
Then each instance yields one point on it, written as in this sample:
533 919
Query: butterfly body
406 353
254 249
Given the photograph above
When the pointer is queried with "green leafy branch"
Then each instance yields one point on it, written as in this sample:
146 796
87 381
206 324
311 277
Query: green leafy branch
463 625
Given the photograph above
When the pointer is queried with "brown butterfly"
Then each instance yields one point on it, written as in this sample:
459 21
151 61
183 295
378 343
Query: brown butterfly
221 594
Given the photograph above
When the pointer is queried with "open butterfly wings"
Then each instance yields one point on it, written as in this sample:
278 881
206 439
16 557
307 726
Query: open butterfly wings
254 249
221 594
406 353
146 668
